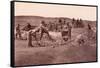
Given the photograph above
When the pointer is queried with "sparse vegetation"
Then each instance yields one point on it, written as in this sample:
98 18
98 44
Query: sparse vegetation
59 51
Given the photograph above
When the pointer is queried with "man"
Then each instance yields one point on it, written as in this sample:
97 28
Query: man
89 32
31 34
43 29
69 30
66 32
18 32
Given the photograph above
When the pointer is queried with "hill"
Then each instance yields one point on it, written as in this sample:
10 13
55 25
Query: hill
36 20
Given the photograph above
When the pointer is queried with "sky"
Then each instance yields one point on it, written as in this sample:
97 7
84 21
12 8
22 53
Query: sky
54 10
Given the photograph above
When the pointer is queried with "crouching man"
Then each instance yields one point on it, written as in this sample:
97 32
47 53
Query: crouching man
66 32
44 30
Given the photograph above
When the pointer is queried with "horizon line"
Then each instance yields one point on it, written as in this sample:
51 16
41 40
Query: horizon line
56 17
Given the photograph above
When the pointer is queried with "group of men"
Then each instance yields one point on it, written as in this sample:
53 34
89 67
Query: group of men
66 32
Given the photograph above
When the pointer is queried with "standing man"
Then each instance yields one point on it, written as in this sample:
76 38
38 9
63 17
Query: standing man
28 28
89 32
18 32
69 30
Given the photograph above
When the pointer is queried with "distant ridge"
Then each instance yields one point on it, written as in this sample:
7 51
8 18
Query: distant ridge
40 17
29 17
22 16
35 20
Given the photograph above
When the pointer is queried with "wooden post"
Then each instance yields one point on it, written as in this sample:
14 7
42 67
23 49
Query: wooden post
30 40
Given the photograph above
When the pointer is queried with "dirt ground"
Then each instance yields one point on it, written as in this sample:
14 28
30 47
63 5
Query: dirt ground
54 52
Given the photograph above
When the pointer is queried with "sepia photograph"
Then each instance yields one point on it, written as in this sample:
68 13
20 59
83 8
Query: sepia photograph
51 33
